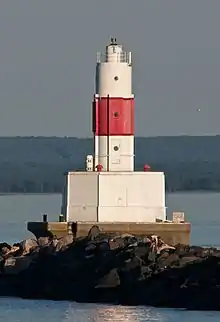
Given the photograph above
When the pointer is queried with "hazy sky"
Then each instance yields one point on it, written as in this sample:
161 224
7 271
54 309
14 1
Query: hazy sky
48 55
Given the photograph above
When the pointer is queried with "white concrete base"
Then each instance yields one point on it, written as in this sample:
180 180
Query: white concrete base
114 197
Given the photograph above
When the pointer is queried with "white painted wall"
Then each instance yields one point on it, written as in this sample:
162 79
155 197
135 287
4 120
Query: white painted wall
116 197
82 200
108 85
132 197
121 160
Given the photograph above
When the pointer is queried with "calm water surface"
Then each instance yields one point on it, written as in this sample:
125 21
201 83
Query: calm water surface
201 209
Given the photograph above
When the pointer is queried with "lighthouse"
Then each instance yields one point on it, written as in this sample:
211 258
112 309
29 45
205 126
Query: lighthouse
109 193
113 110
110 190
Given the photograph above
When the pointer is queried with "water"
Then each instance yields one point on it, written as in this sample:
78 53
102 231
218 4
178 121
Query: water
201 209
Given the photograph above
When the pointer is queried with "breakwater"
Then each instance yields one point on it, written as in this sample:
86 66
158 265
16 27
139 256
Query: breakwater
124 269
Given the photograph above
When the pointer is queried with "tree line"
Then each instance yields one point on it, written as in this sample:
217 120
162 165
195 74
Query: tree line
38 164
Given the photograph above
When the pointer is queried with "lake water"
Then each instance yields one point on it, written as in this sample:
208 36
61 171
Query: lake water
201 209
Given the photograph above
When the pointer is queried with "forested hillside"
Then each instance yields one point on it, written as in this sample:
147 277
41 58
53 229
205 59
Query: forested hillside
37 164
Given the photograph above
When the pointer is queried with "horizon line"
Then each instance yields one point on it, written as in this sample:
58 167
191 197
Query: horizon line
91 137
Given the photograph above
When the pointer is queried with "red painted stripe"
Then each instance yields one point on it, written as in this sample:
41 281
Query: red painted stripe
113 116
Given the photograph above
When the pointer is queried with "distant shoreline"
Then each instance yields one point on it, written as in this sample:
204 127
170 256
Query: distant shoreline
29 193
60 194
36 165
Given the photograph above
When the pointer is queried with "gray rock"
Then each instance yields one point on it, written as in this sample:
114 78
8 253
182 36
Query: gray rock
150 272
4 248
15 250
43 241
64 242
54 242
94 232
14 265
112 279
172 260
113 244
127 236
90 247
187 260
28 245
118 242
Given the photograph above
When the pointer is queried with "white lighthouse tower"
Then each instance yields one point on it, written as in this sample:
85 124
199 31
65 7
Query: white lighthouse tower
113 110
110 191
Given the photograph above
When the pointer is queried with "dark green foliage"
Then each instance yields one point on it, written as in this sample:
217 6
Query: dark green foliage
37 164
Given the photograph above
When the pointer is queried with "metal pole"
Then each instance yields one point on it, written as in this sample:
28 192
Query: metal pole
44 217
108 132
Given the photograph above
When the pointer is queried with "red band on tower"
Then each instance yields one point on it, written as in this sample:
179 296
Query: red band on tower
113 116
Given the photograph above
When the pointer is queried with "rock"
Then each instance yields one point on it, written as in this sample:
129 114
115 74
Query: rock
44 241
28 245
146 240
129 240
112 279
16 250
123 240
171 260
122 269
131 264
2 260
103 247
142 251
152 256
64 242
182 249
93 233
164 247
116 242
14 265
4 248
127 236
54 242
90 247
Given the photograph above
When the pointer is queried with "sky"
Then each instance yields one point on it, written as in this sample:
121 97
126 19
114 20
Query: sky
48 56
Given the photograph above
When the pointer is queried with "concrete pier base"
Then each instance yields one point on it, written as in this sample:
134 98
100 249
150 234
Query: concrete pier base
171 232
